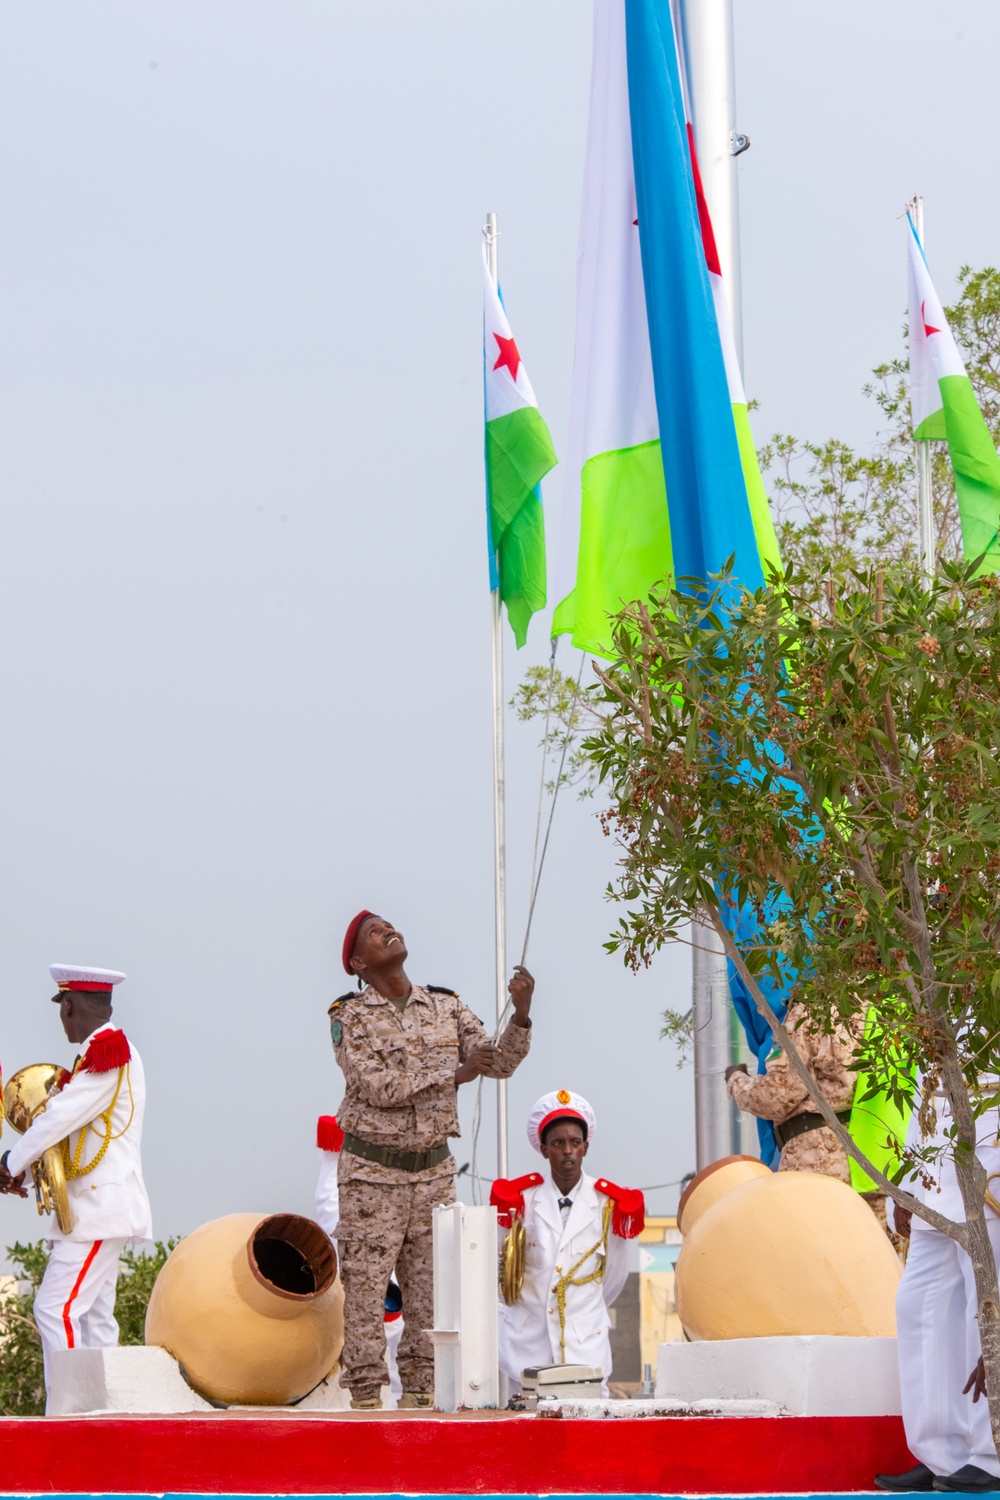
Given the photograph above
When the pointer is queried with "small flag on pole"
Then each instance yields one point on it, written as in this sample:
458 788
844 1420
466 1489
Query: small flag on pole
519 453
944 408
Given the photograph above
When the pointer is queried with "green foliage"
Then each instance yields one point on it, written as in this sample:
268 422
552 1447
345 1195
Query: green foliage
678 1027
22 1382
566 708
839 774
138 1269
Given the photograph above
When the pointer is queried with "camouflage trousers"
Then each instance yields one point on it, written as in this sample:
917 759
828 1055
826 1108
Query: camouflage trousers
385 1227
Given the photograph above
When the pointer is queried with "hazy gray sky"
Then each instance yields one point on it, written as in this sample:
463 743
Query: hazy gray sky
243 597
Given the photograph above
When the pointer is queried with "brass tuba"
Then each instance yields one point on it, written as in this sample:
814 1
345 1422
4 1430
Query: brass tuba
25 1096
512 1262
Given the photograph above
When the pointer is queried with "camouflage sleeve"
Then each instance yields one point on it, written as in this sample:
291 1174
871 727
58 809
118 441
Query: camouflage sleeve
370 1077
773 1095
512 1047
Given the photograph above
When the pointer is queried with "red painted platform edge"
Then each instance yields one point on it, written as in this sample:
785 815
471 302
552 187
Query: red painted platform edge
528 1455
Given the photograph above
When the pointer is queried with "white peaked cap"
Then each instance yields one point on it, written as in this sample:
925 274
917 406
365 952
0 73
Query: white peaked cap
75 976
562 1105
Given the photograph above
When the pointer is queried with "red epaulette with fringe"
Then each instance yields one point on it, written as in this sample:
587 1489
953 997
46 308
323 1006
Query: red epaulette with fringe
628 1217
106 1052
329 1136
507 1195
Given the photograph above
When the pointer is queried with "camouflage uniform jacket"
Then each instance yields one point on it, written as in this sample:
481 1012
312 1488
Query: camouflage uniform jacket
779 1095
400 1073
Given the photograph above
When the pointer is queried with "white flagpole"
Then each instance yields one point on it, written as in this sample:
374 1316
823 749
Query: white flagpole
499 799
925 503
706 40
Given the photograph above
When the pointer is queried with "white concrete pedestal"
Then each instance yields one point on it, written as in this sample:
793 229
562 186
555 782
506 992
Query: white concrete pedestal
134 1378
816 1376
145 1379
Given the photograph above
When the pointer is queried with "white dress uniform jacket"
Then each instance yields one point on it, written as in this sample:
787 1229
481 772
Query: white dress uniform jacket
111 1201
530 1331
937 1332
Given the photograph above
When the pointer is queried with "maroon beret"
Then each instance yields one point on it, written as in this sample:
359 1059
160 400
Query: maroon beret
350 937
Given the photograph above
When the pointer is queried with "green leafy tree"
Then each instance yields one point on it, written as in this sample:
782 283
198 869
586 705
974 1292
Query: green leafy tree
22 1380
839 774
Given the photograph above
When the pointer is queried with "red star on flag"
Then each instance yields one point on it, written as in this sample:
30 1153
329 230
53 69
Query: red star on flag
508 356
928 330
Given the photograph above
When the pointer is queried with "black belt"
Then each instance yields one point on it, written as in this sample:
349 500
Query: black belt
799 1124
388 1156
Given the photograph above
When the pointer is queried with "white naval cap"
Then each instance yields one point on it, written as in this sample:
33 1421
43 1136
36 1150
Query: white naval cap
562 1105
76 977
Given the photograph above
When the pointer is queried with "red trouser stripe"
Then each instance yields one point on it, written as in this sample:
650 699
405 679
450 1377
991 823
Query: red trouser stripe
78 1283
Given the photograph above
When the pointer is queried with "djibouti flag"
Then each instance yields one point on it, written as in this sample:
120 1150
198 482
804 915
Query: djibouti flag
944 408
662 477
519 454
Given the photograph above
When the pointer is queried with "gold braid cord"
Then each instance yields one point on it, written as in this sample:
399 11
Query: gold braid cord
571 1278
72 1164
990 1199
512 1263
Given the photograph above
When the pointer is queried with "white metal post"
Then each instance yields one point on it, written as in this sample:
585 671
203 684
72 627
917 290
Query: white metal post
499 798
925 494
706 40
464 1335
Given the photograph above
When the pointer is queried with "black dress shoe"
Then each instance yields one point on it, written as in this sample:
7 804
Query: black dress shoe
919 1477
968 1480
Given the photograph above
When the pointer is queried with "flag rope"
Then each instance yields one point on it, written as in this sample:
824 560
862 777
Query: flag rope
538 865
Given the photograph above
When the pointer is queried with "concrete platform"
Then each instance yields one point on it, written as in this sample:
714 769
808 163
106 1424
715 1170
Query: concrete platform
816 1376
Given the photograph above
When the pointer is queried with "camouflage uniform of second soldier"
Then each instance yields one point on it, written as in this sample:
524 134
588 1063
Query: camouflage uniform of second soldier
400 1106
780 1095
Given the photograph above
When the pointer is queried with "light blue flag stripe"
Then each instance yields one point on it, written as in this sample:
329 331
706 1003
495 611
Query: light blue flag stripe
706 492
710 517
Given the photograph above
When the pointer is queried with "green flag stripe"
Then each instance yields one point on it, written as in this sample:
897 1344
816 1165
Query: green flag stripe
624 542
521 564
519 453
760 511
976 465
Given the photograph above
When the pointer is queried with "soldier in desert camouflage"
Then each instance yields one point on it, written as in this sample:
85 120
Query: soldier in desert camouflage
807 1144
403 1049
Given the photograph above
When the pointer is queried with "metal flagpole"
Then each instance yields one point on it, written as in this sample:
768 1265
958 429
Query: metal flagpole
925 505
706 37
499 810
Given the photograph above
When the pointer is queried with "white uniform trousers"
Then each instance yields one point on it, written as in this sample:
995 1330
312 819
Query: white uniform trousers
938 1348
75 1304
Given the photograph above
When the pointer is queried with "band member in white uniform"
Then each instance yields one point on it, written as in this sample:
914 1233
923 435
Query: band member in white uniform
329 1139
937 1331
576 1250
98 1115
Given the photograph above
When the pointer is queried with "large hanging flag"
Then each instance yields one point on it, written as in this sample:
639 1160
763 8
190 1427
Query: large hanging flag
944 408
519 453
662 477
615 535
659 478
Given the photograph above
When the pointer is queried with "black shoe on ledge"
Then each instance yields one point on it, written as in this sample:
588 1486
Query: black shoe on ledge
968 1480
919 1477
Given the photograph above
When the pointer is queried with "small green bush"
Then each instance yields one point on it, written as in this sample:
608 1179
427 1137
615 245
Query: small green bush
22 1382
